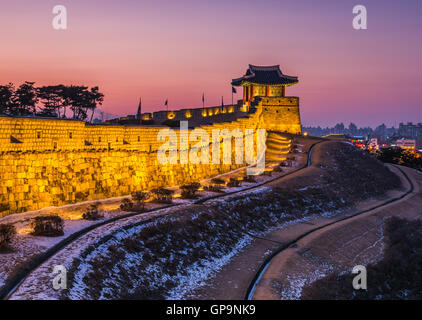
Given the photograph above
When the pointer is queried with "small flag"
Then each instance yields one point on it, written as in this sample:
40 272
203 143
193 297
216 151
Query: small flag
167 102
139 109
203 97
234 90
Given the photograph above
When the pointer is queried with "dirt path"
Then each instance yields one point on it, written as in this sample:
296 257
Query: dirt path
337 248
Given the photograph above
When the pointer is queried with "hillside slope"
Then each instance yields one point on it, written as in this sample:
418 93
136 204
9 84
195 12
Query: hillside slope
168 257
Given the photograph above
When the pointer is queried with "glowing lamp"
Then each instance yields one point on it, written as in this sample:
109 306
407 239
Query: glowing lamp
171 115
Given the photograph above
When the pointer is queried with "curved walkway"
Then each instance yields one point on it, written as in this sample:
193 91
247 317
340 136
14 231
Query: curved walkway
335 246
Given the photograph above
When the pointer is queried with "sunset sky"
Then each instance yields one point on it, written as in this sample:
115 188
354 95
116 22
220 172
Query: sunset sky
180 49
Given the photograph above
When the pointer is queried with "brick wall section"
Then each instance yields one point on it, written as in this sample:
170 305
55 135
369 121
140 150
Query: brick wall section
281 114
47 162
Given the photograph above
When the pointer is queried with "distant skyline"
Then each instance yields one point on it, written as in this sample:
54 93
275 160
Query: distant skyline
180 49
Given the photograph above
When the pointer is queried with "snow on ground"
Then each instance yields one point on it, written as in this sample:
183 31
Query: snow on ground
202 271
293 291
41 278
26 246
38 285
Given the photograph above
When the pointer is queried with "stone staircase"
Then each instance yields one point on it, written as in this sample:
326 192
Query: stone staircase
278 148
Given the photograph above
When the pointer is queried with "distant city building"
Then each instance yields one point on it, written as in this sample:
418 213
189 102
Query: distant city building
410 130
386 136
408 144
359 142
373 144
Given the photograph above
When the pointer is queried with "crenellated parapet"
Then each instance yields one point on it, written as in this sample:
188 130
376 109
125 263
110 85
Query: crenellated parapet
281 114
52 162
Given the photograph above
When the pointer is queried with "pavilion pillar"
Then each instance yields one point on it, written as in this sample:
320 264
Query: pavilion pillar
251 92
245 94
267 91
283 91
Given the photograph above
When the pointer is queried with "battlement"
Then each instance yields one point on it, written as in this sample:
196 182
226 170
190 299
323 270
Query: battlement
52 162
24 134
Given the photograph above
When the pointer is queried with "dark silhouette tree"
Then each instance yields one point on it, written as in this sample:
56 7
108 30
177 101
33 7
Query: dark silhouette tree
7 104
97 98
83 100
52 101
51 98
26 99
80 102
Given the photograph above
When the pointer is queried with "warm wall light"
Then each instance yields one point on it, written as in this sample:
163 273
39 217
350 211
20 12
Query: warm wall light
188 114
146 117
171 115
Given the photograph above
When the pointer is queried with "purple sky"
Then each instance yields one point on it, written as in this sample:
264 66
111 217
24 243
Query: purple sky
179 49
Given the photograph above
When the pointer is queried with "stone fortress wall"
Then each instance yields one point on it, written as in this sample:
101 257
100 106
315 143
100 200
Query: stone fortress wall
52 162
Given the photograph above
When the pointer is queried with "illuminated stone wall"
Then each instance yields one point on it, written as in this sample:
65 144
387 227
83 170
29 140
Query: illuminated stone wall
47 162
36 180
281 114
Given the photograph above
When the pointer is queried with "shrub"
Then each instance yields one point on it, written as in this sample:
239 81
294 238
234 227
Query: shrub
140 197
397 155
218 181
189 190
163 195
92 213
48 226
278 169
249 178
7 233
214 188
233 183
268 173
286 163
127 205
